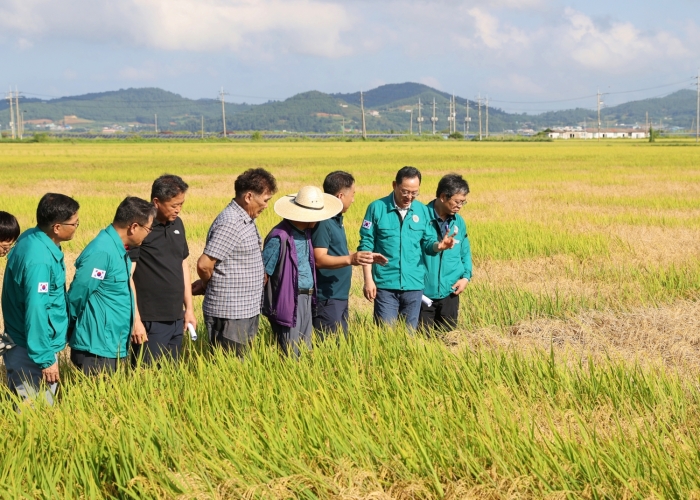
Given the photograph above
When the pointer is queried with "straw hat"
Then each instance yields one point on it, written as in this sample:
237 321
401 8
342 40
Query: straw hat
310 204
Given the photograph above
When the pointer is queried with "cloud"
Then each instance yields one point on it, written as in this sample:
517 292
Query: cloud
310 27
616 46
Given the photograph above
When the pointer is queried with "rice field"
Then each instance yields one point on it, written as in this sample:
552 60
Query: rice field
573 373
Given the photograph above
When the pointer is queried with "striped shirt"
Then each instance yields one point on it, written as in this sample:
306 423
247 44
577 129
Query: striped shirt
235 288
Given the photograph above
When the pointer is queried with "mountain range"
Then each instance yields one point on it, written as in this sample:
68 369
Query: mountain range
387 108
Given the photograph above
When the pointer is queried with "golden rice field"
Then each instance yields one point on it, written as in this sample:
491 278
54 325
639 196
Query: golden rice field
574 373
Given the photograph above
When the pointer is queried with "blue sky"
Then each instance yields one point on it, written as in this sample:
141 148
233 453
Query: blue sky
523 54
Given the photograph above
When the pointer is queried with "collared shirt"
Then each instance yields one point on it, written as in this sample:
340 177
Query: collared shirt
271 254
235 288
34 297
402 241
402 211
158 277
100 297
332 283
443 224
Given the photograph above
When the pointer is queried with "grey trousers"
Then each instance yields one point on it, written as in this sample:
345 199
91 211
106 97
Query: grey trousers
24 376
289 339
232 334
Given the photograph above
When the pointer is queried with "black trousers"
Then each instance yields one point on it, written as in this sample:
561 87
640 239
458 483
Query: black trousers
164 339
331 316
442 315
92 364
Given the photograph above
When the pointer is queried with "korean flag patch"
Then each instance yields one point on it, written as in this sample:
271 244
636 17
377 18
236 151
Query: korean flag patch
43 288
366 224
98 274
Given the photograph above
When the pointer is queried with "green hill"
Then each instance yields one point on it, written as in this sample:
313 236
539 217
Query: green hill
386 110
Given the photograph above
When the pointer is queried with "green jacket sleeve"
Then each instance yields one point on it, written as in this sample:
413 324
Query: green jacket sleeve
36 288
367 231
429 237
466 255
84 284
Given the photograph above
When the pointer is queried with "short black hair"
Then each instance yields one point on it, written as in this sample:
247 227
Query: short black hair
408 173
257 180
336 181
9 227
168 186
134 210
55 208
452 184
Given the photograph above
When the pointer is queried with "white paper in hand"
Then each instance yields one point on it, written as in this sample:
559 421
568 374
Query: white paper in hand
193 332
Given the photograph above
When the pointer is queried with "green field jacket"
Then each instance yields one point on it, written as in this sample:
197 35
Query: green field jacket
445 268
34 297
100 298
402 242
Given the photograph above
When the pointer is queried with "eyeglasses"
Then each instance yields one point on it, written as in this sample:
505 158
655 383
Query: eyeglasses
149 229
412 194
6 247
458 203
75 224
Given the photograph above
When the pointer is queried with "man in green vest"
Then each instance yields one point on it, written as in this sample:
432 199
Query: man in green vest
449 272
397 227
34 299
100 298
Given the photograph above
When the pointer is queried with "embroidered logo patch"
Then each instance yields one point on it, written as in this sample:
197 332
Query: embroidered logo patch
456 230
43 288
98 274
416 218
366 224
177 231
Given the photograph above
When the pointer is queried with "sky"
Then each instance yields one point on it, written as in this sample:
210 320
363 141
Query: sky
526 55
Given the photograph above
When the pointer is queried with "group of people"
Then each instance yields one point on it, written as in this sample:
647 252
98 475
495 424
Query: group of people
131 298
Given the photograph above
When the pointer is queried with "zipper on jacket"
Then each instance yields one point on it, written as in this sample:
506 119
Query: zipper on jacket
401 246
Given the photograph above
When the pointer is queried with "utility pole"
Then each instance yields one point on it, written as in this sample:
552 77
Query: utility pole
647 124
343 126
466 122
479 104
487 117
449 117
12 114
599 103
420 119
362 106
202 126
223 109
411 126
156 122
19 115
434 118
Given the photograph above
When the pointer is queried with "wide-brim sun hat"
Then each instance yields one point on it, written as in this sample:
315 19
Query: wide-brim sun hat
310 204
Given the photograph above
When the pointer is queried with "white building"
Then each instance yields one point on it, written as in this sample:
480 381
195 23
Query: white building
589 133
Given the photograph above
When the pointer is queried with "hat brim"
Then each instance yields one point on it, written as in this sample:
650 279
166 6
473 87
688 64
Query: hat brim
287 208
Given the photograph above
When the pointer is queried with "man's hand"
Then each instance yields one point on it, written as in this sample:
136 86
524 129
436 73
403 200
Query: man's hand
370 290
448 241
189 318
138 334
361 259
459 286
198 288
51 373
378 258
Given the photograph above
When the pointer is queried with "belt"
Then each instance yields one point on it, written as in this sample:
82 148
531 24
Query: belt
306 291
